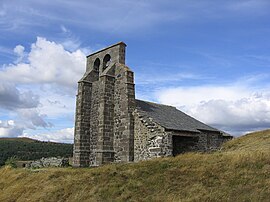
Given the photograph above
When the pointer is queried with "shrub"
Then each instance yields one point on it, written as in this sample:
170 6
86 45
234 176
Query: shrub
11 162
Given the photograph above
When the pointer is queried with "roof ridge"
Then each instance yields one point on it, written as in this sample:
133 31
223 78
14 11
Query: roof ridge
157 103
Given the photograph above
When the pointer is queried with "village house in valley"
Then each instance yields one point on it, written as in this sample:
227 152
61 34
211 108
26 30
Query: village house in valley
113 126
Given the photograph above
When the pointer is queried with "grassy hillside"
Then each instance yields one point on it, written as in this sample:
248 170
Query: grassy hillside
233 174
29 149
253 141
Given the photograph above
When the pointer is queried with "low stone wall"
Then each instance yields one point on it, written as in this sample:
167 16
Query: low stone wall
48 162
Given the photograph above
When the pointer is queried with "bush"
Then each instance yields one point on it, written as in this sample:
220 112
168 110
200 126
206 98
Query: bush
11 162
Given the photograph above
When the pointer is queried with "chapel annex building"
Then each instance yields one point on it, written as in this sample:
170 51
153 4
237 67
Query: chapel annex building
112 126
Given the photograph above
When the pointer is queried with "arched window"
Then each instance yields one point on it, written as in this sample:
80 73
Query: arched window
97 64
106 61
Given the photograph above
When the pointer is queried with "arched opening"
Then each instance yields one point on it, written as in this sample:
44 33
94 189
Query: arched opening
96 65
106 61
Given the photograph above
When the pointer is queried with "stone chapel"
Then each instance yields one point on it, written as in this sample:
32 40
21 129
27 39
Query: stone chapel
111 125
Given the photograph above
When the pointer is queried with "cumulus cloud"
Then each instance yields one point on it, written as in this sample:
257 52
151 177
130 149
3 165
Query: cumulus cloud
32 118
246 114
234 109
19 51
34 87
187 96
12 98
49 63
10 129
24 120
62 135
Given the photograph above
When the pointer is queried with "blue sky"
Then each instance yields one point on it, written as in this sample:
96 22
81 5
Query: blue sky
210 59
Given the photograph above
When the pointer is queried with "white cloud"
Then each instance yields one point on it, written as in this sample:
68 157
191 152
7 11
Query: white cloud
32 118
64 29
63 135
40 90
69 41
19 50
10 129
25 119
13 98
57 104
48 63
187 96
235 109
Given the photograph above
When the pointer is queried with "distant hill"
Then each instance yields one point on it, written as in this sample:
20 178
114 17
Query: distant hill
23 139
239 172
30 149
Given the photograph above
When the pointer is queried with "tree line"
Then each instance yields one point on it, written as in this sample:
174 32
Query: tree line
33 150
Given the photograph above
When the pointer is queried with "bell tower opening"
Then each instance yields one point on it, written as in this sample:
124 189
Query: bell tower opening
96 65
106 61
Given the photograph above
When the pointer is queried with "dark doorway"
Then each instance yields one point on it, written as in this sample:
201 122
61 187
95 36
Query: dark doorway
182 144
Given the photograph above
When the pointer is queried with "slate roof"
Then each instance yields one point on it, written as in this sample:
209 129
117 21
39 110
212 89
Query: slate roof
171 118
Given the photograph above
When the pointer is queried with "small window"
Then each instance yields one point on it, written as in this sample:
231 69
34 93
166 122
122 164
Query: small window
97 64
106 61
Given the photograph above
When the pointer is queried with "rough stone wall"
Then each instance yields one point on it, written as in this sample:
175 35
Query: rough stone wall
104 128
207 140
94 122
123 120
48 162
150 139
104 150
210 141
117 53
81 148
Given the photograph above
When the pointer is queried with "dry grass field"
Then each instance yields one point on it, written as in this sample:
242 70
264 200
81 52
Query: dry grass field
239 172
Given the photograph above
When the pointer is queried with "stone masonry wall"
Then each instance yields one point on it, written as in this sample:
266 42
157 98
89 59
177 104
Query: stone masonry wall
210 141
81 148
123 121
105 150
150 139
48 162
104 128
94 122
207 140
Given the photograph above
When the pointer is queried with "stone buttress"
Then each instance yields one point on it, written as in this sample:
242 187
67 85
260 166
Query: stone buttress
104 125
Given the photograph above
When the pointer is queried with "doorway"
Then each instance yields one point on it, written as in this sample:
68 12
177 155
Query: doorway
182 144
